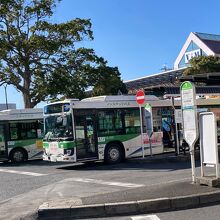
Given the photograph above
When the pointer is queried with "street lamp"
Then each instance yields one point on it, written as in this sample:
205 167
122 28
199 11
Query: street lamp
6 98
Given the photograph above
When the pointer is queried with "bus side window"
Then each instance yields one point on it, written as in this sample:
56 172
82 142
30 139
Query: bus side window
28 130
110 123
132 121
31 129
40 128
13 131
31 133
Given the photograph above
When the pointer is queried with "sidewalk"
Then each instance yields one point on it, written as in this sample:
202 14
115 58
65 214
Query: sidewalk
154 198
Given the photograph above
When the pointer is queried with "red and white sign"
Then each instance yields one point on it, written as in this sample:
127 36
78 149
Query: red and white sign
140 97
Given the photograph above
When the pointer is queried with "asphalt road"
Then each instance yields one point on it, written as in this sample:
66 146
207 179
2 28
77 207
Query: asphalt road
26 186
14 180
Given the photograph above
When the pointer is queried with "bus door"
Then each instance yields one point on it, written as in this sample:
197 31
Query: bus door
86 134
3 147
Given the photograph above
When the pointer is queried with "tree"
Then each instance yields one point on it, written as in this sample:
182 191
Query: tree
42 59
109 82
203 64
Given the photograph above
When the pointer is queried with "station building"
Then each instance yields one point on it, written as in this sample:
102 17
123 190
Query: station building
168 82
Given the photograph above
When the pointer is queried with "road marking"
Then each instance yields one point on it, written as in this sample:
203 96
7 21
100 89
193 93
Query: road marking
22 172
86 180
146 217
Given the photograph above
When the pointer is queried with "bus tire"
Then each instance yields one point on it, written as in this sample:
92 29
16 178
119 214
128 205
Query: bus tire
114 153
18 155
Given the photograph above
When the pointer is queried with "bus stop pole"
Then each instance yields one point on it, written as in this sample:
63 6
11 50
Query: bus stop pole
192 155
142 144
217 169
177 139
151 154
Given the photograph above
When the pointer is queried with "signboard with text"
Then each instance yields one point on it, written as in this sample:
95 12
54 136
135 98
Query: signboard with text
178 116
194 53
148 119
189 113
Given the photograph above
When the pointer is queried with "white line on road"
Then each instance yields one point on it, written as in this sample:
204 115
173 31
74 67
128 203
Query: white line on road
22 172
86 180
146 217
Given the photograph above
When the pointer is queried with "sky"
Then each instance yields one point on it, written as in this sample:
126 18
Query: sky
137 36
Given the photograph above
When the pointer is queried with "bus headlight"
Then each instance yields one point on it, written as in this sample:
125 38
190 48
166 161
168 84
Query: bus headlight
69 152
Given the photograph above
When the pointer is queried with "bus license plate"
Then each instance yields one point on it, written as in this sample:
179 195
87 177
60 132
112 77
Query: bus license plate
53 147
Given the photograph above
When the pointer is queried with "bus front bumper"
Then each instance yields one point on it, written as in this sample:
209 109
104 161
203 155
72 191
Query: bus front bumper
59 158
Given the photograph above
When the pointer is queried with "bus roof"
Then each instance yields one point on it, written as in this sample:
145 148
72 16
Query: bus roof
64 101
21 114
117 101
118 98
127 101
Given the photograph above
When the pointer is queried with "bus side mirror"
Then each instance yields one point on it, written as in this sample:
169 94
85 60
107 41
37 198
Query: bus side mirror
39 133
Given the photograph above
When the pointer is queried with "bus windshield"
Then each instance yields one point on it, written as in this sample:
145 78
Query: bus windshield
58 127
56 108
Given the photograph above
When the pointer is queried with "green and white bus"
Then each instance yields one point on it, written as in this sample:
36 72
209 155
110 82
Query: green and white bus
108 127
99 128
21 133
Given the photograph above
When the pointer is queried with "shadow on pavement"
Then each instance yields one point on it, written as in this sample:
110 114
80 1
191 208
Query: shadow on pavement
145 167
38 162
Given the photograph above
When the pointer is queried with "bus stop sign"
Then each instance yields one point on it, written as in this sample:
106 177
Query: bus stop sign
190 123
189 113
140 97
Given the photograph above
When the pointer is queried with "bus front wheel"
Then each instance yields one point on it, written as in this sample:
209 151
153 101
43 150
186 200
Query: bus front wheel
18 155
113 153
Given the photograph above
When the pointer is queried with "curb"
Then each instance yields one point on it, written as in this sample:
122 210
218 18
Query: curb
68 212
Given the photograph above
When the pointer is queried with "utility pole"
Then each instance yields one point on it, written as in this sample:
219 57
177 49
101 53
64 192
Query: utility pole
6 97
